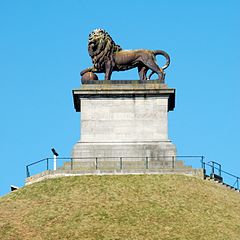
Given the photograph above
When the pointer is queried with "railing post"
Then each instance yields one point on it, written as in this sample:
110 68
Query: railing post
202 163
27 171
212 168
47 164
71 163
121 163
238 183
204 170
96 163
147 163
220 170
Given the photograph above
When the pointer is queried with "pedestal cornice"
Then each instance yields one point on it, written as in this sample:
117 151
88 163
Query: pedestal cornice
123 88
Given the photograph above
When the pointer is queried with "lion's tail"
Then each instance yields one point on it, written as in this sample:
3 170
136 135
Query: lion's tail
161 52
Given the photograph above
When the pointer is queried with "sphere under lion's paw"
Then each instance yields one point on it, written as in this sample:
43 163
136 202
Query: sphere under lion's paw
88 76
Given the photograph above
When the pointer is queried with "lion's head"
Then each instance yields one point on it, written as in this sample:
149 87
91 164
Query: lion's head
101 47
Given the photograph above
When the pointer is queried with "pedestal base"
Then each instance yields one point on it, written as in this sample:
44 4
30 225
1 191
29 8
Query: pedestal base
155 150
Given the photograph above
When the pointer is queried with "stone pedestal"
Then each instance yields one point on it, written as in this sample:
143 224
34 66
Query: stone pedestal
124 119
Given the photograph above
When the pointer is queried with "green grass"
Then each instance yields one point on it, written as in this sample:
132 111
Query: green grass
121 207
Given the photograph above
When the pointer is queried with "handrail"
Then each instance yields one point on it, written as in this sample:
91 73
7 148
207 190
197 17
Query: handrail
230 174
215 166
34 163
42 160
170 159
219 168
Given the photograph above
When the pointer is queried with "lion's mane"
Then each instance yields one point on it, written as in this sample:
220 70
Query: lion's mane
101 47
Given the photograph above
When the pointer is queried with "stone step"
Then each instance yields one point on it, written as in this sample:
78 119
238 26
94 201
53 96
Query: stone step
112 164
222 184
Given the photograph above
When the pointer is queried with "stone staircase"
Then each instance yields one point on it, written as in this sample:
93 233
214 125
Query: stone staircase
221 183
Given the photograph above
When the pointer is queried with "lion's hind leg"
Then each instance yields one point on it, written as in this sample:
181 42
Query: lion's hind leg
155 68
150 75
142 71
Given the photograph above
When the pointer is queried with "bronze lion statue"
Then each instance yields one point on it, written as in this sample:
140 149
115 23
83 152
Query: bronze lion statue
107 57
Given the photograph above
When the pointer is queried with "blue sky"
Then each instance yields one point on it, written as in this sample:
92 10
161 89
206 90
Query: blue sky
43 47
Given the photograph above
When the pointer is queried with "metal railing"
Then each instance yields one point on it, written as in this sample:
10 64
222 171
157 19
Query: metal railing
114 163
213 170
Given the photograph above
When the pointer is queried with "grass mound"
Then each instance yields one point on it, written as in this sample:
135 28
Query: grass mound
121 207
